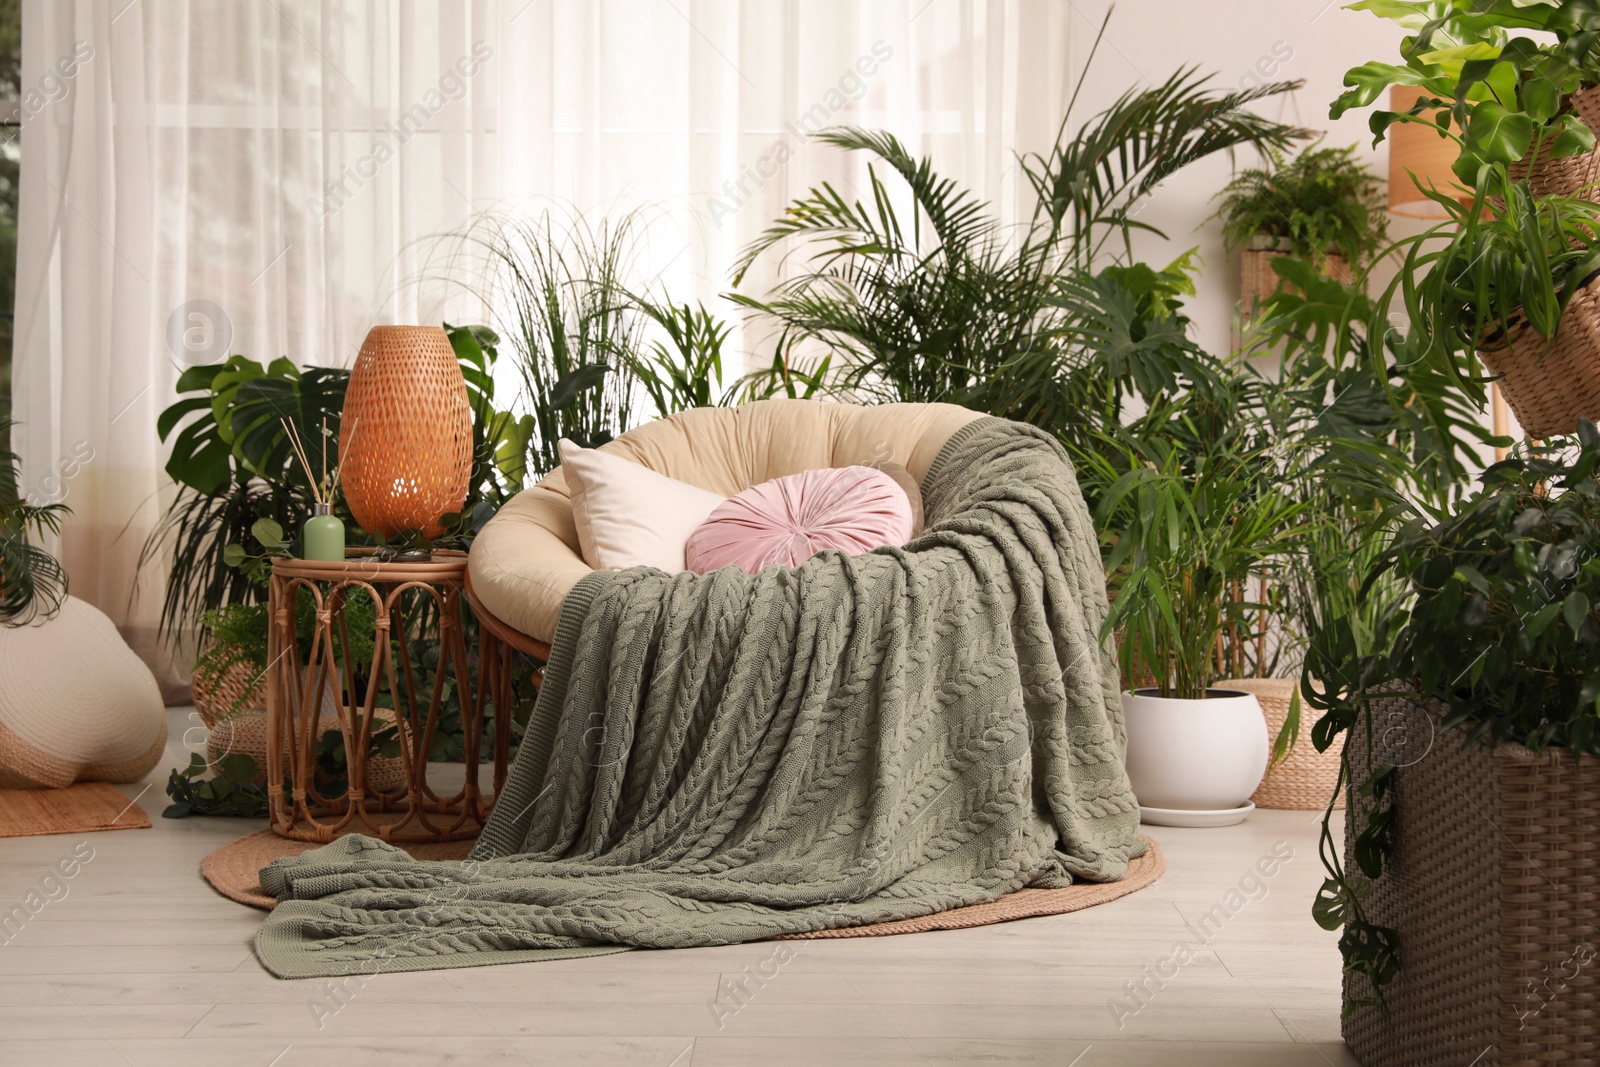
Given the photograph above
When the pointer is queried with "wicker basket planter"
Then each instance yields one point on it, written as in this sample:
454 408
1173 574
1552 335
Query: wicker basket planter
1565 175
1494 887
1307 778
1551 386
1258 281
246 734
236 689
233 707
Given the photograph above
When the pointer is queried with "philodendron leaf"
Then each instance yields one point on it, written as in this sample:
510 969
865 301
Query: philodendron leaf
1495 134
1368 81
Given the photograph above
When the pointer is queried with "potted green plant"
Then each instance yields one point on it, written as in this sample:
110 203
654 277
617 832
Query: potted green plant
1470 726
1184 528
32 583
1513 100
1054 323
1321 205
1508 284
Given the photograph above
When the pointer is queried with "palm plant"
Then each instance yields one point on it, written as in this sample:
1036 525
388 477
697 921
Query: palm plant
562 306
32 583
1184 527
684 370
949 305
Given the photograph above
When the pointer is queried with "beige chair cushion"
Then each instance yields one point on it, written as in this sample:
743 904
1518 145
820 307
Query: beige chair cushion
526 560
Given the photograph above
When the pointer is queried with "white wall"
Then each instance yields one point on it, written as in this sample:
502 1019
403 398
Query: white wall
1147 40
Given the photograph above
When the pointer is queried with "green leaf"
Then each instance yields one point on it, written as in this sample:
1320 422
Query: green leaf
1368 81
1541 620
268 532
569 386
1575 609
1497 134
1330 906
1290 733
233 555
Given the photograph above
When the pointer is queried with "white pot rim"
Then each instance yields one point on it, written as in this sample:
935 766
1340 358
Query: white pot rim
1212 693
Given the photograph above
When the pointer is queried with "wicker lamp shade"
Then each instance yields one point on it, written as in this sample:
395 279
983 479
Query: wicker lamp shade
405 438
1418 155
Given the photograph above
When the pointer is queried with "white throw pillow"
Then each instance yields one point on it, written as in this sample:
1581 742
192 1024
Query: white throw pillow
628 515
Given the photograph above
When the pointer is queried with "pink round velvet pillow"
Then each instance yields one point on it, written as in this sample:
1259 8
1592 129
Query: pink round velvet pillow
788 520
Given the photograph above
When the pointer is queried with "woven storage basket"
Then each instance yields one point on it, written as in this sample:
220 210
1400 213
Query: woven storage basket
246 734
1258 281
1494 886
1307 778
1551 386
405 435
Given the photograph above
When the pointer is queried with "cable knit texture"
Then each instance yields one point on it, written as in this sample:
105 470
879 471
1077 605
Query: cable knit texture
725 757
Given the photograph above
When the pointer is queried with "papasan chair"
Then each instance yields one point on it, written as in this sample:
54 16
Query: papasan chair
527 559
727 756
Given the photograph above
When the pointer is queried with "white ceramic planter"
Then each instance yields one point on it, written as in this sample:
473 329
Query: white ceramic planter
1195 762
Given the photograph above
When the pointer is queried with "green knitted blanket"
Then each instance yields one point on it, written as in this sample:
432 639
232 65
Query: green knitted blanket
721 758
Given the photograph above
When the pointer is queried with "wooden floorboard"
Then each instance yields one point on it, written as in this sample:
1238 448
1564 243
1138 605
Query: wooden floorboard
142 963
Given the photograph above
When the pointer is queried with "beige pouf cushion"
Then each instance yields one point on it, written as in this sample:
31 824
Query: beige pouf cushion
528 558
76 704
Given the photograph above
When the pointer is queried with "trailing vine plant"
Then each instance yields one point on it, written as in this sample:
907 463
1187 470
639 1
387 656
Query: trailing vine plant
1499 624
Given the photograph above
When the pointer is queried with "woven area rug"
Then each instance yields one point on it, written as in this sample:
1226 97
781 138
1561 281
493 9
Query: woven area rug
232 871
77 809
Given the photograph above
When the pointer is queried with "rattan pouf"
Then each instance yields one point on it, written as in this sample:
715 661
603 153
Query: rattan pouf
1307 778
245 733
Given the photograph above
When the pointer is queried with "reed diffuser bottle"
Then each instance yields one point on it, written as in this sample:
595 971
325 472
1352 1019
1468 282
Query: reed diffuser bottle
323 533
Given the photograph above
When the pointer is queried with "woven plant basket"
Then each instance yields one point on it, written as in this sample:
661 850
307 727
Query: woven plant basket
239 688
405 435
246 734
1559 175
1565 175
1307 778
1258 281
1494 886
1551 386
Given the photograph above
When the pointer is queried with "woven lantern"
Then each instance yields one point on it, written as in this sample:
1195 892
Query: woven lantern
405 439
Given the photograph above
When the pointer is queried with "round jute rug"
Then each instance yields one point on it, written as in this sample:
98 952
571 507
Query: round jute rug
233 869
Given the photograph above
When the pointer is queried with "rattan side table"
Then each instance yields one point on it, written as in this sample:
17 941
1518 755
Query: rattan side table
313 689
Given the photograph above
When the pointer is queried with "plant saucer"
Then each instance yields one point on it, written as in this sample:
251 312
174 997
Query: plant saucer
1205 817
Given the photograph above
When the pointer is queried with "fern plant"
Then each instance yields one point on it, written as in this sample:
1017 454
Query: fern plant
1320 201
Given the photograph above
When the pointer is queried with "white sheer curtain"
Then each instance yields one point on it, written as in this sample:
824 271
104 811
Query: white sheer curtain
262 178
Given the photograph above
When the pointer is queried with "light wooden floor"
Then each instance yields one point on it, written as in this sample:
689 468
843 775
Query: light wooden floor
142 963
